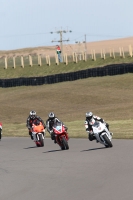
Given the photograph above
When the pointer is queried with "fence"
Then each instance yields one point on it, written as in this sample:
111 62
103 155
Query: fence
43 59
109 70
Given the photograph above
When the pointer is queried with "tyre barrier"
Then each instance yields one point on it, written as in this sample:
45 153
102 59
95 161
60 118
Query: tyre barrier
109 70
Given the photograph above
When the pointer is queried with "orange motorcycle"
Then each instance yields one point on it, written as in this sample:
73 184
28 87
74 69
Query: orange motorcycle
38 133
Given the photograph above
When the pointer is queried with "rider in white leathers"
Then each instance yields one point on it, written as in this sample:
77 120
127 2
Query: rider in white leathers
89 116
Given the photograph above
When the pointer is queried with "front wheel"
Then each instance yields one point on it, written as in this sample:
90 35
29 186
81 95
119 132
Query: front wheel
41 140
108 142
65 144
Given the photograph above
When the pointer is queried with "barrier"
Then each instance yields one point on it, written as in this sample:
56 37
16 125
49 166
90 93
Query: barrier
108 70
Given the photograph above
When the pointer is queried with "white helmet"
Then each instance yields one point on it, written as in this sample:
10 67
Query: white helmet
51 115
89 115
32 114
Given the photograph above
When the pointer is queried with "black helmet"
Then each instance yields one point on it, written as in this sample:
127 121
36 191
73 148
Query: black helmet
32 114
89 115
51 115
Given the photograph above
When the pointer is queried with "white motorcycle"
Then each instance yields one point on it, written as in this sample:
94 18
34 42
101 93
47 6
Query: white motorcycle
101 133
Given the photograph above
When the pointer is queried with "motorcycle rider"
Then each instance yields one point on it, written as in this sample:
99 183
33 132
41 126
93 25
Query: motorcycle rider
32 118
52 119
89 116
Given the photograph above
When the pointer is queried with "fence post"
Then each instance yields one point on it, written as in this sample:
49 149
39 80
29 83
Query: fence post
49 60
14 64
123 54
113 54
73 57
66 60
56 59
110 53
6 62
76 59
30 61
85 58
22 62
39 60
101 54
130 51
92 57
120 52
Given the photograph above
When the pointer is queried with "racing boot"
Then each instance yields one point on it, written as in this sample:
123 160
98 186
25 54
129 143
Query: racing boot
91 136
30 133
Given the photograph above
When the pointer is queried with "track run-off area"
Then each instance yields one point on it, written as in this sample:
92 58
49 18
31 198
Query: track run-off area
87 171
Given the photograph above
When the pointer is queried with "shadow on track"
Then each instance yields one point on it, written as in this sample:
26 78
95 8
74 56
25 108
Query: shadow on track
93 149
52 151
30 147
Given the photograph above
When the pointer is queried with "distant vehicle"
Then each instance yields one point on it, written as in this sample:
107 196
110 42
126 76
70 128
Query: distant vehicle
61 136
101 133
37 133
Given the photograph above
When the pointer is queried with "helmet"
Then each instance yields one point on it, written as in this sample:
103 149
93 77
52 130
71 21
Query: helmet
89 115
51 115
32 114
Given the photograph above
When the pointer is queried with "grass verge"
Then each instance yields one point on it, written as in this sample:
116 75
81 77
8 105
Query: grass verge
122 129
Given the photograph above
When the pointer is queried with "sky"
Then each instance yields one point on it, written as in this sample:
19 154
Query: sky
29 23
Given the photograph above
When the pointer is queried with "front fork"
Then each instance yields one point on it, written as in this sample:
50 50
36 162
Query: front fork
36 136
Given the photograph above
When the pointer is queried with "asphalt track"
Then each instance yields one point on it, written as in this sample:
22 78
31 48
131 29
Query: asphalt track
87 171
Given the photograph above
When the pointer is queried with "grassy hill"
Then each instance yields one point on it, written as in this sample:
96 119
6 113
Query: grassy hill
45 70
110 97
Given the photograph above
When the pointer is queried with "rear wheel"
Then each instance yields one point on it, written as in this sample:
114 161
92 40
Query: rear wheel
41 140
65 144
108 142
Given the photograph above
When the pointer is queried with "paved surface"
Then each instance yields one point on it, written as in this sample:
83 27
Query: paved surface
87 171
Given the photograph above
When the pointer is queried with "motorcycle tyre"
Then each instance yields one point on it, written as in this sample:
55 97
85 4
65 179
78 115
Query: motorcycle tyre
65 144
41 140
109 143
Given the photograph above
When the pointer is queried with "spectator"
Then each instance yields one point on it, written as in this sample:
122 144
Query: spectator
58 51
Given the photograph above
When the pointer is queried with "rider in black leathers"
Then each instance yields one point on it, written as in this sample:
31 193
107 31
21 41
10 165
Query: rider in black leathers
89 116
52 119
31 118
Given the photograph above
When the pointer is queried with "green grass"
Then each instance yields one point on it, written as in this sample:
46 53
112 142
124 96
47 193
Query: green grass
45 70
110 97
121 129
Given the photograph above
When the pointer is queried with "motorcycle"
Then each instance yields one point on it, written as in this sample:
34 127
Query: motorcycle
38 133
101 133
61 136
0 130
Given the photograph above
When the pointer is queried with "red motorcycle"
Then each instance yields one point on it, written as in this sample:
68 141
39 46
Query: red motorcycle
38 133
61 136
